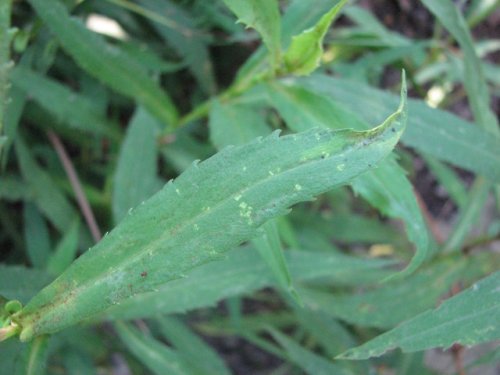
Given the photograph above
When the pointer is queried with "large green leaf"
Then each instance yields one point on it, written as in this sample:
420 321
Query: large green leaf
209 209
263 16
431 131
135 177
469 318
386 187
104 61
244 271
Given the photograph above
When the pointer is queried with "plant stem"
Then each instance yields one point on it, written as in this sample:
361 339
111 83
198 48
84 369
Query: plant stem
76 185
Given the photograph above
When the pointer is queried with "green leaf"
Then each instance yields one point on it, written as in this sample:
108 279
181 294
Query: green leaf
200 355
17 282
67 106
186 39
209 209
65 251
104 61
233 124
136 171
308 361
386 187
469 318
430 131
36 236
46 194
156 356
263 16
270 249
389 305
304 54
244 271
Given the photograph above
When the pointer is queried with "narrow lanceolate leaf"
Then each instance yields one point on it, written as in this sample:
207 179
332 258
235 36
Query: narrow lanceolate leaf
5 63
263 16
469 318
104 61
432 131
189 41
202 358
209 209
155 355
135 178
67 106
304 54
387 188
308 361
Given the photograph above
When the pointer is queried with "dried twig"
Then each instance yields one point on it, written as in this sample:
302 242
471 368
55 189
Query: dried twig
76 185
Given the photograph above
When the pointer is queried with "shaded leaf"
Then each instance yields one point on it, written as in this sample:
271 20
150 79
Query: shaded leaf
65 251
67 106
470 317
156 356
104 61
189 41
36 236
308 361
200 355
136 171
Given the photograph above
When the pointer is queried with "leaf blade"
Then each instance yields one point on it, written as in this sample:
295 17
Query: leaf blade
168 235
469 318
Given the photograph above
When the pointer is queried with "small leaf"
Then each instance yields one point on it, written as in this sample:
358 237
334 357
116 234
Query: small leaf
469 318
304 54
310 362
263 16
200 355
270 249
155 355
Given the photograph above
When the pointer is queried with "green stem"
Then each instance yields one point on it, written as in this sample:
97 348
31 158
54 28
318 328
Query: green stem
35 361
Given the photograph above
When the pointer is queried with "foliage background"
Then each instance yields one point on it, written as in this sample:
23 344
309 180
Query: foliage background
136 112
